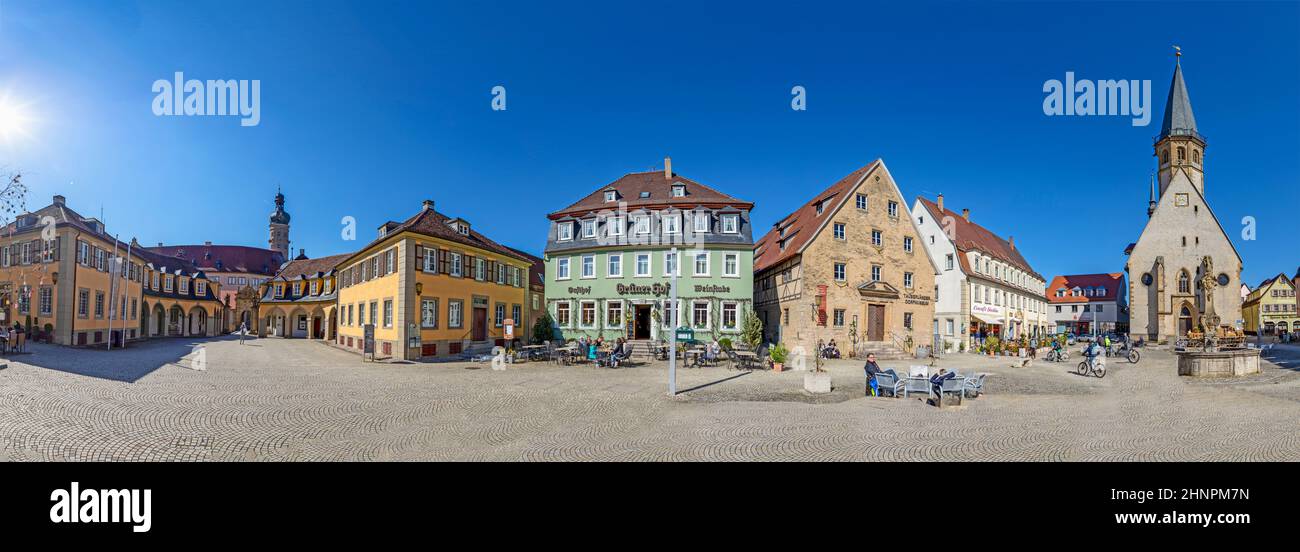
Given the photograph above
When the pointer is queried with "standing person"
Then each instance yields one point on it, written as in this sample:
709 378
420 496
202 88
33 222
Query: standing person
243 330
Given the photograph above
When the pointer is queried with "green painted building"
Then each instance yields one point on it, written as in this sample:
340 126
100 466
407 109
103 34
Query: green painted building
609 260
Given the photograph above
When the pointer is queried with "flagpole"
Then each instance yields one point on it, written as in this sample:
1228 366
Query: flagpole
112 295
125 279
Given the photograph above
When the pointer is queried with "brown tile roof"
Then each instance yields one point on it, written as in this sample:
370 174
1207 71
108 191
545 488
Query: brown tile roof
172 264
631 186
311 267
536 272
226 258
804 223
973 237
434 224
1113 283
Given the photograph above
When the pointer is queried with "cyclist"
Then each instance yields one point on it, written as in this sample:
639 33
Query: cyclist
1056 349
1091 352
1108 349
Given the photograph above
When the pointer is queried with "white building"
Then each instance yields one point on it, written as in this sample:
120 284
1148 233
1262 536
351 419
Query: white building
1087 304
985 287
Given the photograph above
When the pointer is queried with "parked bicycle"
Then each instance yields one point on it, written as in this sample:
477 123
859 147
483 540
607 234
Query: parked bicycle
1124 350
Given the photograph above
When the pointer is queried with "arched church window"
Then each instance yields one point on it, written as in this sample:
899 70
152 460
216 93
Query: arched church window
1184 282
1196 156
1182 154
1164 157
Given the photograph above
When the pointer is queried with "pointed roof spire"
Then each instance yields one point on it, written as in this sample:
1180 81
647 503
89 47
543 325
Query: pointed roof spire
1151 203
1179 120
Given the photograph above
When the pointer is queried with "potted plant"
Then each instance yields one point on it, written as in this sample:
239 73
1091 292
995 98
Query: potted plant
777 354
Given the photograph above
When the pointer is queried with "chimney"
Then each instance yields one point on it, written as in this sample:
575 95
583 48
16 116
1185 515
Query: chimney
428 205
668 168
940 202
965 213
159 244
59 200
1011 240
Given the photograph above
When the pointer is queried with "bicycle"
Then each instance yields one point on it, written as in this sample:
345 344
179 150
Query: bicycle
1058 355
1097 366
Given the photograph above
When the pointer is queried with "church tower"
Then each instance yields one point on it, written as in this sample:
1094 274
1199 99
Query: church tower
280 227
1179 148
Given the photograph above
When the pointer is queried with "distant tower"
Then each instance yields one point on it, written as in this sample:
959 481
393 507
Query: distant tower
280 227
1180 148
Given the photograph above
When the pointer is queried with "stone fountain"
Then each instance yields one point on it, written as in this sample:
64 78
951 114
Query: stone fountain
1216 351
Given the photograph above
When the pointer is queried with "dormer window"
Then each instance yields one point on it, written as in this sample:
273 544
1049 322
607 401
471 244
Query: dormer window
588 229
564 231
702 220
611 195
819 207
731 224
671 224
463 229
679 190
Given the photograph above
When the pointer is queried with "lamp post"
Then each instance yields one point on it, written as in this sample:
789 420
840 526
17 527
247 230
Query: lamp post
673 318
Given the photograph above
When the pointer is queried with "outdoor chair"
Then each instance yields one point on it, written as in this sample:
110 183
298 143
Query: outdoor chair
974 385
888 383
954 386
916 385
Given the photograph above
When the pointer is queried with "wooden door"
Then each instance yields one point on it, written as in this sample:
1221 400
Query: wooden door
875 322
480 324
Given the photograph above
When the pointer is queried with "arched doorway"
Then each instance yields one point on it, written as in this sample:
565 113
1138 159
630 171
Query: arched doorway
144 320
159 320
299 323
333 326
176 321
198 321
1184 320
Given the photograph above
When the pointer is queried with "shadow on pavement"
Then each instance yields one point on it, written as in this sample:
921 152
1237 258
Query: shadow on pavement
125 365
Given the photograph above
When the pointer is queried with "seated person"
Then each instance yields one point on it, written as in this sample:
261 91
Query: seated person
936 381
871 369
832 351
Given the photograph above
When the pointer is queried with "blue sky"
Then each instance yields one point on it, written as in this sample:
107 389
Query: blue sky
369 108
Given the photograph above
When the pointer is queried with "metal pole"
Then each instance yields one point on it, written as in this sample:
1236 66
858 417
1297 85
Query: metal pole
674 318
125 279
112 295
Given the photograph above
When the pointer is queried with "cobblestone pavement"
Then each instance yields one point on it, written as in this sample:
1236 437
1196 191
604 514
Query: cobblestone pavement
298 400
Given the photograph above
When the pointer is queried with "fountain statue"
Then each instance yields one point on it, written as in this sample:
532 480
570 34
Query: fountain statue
1215 351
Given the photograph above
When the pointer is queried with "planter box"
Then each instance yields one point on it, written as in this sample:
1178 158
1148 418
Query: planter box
817 382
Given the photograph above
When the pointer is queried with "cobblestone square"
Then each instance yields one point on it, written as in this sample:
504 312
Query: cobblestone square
293 400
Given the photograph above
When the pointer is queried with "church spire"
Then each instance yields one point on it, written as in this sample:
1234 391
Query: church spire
1179 120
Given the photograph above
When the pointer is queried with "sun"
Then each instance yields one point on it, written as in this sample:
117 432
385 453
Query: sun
15 119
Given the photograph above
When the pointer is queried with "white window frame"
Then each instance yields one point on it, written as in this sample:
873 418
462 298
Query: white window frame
568 314
649 265
735 316
564 231
588 229
563 268
675 266
670 224
702 218
708 313
731 223
455 314
429 316
641 225
695 263
840 231
455 261
614 226
588 270
611 265
735 265
840 272
612 306
595 314
907 280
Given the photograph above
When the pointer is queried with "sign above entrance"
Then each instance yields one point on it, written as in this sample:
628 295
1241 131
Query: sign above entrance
653 289
712 288
916 299
580 290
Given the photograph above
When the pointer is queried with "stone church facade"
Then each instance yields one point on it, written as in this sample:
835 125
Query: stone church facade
1184 272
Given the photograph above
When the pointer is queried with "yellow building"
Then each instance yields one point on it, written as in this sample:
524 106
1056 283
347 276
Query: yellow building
432 287
178 299
301 300
1272 305
57 277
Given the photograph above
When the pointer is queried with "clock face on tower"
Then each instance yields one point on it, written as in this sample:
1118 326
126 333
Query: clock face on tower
1223 279
1146 279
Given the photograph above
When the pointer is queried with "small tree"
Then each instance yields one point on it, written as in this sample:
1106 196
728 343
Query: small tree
544 328
751 331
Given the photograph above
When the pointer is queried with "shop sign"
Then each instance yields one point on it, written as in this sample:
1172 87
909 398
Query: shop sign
712 288
580 290
916 299
990 310
634 289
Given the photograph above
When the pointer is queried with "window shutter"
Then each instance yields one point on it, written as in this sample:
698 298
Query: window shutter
58 248
419 257
470 266
442 261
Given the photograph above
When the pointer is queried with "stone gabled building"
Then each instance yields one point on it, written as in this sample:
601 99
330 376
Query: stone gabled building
1184 272
848 265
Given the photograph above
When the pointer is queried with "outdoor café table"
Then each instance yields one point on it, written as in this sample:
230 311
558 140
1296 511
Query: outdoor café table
566 353
747 358
533 351
697 354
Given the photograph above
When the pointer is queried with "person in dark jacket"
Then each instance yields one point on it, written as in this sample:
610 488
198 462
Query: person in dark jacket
871 369
936 381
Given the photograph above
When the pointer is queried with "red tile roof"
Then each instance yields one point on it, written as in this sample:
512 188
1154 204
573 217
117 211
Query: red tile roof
1113 283
536 272
973 237
309 268
434 224
631 186
802 225
232 258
